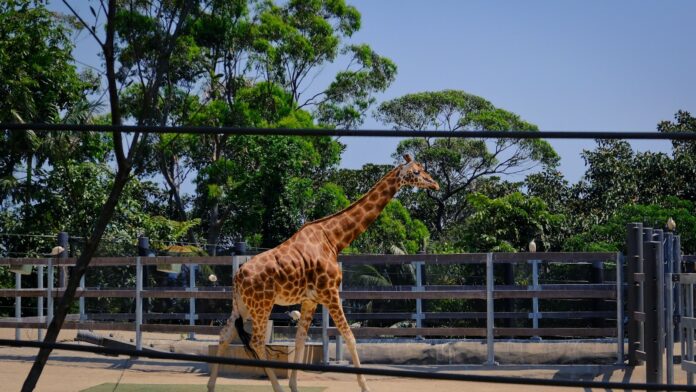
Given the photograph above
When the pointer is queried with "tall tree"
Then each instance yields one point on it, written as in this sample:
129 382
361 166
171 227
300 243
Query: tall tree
172 19
459 163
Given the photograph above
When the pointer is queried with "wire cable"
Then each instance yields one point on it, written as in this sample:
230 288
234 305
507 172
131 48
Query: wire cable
352 370
203 130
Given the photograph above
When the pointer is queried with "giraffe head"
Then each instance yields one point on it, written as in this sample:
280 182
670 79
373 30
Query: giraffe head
412 173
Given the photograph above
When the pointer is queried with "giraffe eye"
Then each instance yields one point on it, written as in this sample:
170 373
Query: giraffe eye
416 172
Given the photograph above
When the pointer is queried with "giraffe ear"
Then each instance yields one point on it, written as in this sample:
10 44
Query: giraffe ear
407 157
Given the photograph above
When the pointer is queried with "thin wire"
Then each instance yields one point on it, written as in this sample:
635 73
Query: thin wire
351 370
204 130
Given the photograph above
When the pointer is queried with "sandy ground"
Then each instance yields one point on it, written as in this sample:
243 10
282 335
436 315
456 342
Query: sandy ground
71 371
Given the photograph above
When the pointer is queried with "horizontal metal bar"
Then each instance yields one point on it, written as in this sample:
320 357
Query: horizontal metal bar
209 130
685 278
688 366
640 355
687 322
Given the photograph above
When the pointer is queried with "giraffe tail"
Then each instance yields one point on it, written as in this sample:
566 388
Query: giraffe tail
245 337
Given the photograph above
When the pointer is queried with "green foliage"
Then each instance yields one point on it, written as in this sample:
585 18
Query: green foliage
507 224
459 164
611 236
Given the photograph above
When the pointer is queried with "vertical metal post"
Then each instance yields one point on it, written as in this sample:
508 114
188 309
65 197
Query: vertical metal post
634 260
669 339
339 338
63 271
535 300
668 293
619 310
325 334
690 331
49 292
419 301
192 300
676 260
40 299
138 303
490 311
83 315
18 305
661 308
653 354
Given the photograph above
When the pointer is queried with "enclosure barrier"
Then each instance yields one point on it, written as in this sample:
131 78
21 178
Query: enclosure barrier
420 291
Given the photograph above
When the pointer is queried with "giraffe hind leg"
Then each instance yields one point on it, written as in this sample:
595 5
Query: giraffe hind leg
226 335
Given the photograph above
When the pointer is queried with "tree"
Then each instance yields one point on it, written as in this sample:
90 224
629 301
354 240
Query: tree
173 18
611 235
457 163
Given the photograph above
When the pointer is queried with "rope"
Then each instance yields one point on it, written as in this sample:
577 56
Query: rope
684 135
352 370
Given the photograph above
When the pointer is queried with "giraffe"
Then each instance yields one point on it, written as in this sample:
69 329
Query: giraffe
304 270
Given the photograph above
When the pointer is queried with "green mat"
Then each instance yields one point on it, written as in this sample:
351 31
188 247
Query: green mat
109 387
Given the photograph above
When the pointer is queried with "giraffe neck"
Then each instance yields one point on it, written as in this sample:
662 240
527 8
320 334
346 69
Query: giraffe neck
343 227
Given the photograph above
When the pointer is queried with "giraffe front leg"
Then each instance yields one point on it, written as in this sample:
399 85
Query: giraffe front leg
339 318
306 314
226 335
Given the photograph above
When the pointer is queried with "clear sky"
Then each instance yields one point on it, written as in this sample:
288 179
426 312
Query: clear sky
564 65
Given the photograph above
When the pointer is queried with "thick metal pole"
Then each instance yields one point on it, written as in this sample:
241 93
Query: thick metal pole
83 315
63 271
192 301
325 334
619 310
417 265
634 259
690 331
669 302
535 300
653 354
661 308
49 292
138 303
490 311
18 305
40 299
677 268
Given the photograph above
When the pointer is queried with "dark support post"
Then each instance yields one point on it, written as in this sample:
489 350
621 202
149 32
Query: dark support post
634 258
653 355
144 251
509 280
63 271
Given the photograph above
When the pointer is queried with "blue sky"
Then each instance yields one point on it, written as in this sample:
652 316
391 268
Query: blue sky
563 65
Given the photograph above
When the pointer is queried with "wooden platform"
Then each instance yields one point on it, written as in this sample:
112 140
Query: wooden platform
276 352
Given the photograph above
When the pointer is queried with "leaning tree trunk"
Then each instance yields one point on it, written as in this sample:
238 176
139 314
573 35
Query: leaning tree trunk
54 328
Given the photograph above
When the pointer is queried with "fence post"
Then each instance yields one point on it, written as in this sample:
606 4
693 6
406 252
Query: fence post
490 311
18 305
325 334
143 249
49 292
339 338
192 300
39 299
653 354
634 260
83 315
619 310
535 300
676 259
63 271
418 266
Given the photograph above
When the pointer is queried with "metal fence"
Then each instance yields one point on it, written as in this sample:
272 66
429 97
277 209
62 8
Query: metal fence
419 292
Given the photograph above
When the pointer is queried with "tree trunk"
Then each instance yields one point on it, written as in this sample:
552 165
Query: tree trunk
54 328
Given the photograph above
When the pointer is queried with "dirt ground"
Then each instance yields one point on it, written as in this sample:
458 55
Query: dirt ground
72 371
